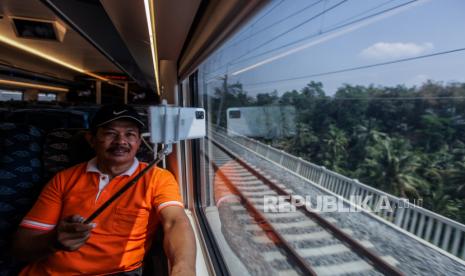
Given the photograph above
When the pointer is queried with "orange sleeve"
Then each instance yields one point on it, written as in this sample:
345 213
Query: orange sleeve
45 213
166 190
221 191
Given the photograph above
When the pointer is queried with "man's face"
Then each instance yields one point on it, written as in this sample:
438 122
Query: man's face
117 142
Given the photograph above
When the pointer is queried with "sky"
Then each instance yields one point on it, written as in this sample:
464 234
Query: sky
292 42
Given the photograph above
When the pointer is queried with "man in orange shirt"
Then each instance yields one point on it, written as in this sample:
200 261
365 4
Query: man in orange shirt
53 236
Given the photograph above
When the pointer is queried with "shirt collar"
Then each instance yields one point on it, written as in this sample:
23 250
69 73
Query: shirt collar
92 167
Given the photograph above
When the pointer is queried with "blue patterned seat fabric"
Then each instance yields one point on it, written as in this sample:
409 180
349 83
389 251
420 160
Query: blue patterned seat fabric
64 148
20 182
48 119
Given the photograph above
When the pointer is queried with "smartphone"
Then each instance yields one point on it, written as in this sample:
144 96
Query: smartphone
170 124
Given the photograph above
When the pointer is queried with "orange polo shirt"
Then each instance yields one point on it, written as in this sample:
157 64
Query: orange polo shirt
124 230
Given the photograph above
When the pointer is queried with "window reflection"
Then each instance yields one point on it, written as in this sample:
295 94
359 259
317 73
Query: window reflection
371 91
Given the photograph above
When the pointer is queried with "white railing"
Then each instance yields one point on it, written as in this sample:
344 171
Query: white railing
444 233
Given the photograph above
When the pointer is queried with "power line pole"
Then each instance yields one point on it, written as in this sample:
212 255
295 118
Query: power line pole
222 97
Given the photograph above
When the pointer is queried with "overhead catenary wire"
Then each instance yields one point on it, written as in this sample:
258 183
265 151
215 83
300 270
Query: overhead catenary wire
358 67
293 28
324 32
234 43
362 13
314 35
263 29
267 13
400 98
242 32
369 98
287 31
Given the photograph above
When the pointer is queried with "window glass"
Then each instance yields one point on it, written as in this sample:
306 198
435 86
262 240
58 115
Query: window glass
10 95
47 97
339 98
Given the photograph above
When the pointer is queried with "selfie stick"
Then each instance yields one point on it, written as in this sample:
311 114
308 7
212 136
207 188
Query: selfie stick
167 148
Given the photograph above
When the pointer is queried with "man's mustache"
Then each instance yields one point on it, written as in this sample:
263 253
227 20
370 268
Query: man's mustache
119 148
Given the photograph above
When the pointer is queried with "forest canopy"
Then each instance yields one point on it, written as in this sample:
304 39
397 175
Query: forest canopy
409 142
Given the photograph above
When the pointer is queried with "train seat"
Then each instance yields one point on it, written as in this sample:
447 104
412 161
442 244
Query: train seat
64 148
20 182
48 119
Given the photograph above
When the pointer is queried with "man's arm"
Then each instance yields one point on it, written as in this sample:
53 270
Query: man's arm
32 244
179 241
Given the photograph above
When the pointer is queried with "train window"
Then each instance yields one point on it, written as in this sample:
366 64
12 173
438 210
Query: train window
47 97
234 114
10 95
339 101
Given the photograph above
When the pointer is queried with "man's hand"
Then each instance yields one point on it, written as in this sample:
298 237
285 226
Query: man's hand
33 244
72 233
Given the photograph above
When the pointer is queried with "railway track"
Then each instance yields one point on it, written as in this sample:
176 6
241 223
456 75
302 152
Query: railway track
313 245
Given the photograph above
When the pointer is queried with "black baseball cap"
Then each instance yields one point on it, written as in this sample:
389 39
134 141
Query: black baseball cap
111 112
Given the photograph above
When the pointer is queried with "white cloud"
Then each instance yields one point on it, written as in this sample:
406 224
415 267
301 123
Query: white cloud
386 50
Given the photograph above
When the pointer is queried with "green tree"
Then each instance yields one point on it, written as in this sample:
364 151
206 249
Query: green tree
387 105
408 141
267 98
393 168
364 137
434 131
333 153
302 144
228 95
348 107
456 178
